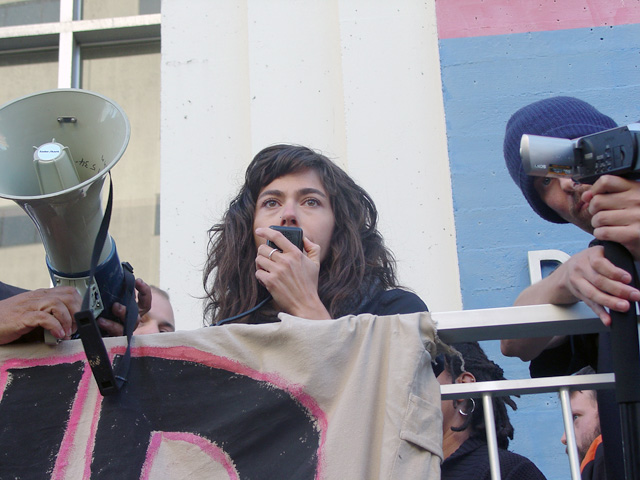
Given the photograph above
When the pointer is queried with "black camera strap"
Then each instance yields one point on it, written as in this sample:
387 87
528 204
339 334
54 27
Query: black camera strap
109 382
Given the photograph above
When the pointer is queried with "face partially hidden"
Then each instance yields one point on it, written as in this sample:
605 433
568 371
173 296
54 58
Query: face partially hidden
448 410
564 196
159 319
297 200
586 421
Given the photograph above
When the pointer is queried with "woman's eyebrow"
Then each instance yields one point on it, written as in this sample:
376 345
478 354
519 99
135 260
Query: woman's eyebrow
273 193
301 192
308 190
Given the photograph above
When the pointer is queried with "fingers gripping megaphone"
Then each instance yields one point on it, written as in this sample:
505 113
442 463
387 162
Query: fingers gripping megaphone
56 149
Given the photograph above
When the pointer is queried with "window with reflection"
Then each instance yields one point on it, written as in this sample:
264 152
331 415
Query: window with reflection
28 12
94 9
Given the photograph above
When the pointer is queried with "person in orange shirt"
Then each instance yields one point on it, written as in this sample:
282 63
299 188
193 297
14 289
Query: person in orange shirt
586 424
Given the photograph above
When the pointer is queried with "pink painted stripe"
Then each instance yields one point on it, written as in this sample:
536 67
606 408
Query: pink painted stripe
183 353
476 18
213 451
62 461
95 418
64 455
297 391
33 362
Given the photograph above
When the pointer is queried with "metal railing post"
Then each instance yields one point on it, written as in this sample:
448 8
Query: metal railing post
572 447
492 438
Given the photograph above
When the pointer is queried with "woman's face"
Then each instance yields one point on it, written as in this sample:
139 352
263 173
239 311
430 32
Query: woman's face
297 200
451 410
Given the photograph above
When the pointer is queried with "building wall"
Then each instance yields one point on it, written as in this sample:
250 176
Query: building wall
358 80
495 58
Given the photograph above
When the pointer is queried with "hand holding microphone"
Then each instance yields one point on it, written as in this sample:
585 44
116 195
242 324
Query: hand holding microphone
291 273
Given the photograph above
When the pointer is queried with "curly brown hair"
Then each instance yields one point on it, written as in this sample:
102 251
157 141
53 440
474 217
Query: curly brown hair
356 263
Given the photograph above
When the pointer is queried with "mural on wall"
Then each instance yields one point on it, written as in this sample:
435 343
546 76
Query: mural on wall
496 57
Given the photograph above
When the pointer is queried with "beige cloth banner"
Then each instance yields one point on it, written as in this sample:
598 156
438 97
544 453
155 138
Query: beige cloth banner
353 398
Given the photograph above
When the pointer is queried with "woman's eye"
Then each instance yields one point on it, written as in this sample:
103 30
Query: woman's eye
311 202
270 203
546 181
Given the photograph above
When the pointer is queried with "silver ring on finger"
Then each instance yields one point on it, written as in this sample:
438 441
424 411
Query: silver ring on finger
272 252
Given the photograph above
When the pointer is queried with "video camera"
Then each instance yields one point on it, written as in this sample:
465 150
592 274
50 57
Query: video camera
584 159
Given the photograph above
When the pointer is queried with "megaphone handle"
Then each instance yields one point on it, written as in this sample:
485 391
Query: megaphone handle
107 381
96 352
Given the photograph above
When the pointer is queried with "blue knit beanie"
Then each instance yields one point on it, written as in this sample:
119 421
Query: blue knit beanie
561 117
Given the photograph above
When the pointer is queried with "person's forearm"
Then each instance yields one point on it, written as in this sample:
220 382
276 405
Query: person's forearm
552 289
548 290
526 349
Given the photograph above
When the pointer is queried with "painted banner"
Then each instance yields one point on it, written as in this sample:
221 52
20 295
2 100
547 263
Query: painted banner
347 398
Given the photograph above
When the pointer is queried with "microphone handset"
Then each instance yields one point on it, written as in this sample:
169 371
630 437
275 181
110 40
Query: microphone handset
294 235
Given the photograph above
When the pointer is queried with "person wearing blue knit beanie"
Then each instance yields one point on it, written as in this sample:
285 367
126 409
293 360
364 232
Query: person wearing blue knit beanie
561 117
609 210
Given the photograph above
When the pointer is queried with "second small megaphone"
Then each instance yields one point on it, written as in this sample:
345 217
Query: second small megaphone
56 148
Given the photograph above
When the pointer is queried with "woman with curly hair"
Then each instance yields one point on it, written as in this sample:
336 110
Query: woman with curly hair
343 267
466 453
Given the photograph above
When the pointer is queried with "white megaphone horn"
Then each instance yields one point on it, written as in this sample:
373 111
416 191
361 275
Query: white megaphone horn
56 149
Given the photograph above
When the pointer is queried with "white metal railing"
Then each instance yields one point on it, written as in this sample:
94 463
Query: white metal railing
533 321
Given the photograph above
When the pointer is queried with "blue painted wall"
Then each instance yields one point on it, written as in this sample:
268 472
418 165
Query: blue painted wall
485 80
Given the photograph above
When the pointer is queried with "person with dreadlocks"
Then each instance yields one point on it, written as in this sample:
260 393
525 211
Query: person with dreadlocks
344 267
466 453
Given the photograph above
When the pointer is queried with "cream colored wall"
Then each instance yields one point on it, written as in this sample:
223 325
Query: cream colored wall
358 80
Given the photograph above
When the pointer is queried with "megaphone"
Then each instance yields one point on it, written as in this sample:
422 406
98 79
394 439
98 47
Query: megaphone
56 149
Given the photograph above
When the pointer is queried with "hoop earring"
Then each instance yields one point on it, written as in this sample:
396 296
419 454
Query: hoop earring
473 409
